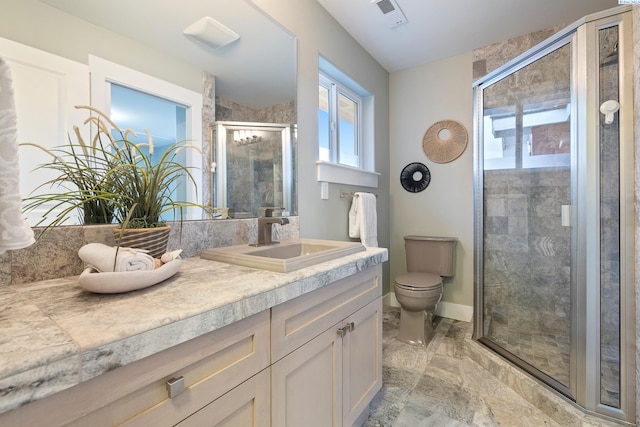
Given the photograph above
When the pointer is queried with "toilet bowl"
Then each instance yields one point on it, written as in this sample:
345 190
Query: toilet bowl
429 259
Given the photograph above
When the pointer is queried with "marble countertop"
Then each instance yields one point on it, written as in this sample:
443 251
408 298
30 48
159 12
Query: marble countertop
56 334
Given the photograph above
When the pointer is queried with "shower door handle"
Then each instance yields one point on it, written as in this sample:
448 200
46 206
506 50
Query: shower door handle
565 216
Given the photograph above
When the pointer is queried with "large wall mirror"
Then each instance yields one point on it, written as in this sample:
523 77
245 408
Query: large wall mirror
251 79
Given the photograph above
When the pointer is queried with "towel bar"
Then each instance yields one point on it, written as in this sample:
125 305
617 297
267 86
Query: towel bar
344 194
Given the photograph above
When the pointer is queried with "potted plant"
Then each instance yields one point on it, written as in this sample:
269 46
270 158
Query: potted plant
122 177
82 173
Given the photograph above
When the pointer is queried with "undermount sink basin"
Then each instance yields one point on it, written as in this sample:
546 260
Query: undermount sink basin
285 256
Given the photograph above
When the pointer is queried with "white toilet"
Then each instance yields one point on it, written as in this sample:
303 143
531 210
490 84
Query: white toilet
429 259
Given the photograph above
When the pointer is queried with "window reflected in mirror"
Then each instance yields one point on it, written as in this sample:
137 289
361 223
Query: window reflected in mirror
165 121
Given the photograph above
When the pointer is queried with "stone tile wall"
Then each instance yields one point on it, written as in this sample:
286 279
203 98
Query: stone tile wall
55 254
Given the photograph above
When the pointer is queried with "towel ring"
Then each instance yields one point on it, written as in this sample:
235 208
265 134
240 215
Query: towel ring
415 177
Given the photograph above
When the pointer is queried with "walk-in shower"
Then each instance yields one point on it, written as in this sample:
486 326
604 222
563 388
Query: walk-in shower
554 213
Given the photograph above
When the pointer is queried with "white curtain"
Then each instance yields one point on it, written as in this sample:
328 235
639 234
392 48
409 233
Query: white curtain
15 233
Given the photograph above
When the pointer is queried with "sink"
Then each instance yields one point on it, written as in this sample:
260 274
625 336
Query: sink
285 256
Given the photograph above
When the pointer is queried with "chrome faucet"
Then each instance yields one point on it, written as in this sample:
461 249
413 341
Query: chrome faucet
264 230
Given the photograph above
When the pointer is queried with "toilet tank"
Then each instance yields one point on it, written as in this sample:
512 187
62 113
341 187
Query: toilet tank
427 254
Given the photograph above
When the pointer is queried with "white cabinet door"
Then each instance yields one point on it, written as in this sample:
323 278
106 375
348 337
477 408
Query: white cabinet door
330 380
306 385
362 360
46 89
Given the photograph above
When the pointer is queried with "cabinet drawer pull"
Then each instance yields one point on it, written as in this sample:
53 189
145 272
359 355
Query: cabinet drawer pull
175 386
349 327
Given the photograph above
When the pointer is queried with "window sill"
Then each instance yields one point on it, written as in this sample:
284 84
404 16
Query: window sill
340 174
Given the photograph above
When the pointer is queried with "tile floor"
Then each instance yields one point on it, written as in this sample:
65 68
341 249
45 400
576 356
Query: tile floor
547 352
441 385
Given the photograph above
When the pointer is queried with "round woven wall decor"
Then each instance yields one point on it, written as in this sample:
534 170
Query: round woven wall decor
441 150
415 177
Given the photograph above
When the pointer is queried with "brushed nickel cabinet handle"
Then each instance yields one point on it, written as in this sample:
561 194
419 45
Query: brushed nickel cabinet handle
175 386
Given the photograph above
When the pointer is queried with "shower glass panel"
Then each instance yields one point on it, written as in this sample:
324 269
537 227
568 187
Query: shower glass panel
555 215
254 168
527 181
609 156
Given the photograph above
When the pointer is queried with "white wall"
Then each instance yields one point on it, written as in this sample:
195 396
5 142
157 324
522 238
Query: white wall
421 96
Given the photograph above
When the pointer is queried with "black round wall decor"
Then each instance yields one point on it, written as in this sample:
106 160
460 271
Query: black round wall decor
415 177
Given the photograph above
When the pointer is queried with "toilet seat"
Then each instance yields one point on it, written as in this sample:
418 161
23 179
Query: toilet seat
418 281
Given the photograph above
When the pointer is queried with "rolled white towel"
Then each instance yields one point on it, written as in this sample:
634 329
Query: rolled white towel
105 258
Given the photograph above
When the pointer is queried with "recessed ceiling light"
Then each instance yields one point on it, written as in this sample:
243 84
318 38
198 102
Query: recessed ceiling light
211 32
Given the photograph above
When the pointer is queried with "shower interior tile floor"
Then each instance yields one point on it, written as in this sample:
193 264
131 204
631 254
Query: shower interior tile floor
547 352
441 385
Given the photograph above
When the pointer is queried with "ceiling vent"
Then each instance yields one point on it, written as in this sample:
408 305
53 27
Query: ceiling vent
211 32
391 11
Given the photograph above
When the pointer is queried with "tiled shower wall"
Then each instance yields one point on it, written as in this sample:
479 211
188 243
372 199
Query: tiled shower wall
230 111
527 258
527 253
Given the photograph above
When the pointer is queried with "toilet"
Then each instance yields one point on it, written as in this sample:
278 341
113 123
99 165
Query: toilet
429 259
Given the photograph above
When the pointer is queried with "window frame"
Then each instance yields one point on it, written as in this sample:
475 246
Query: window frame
335 89
329 171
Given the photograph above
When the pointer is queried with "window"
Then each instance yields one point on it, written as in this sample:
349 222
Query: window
345 129
165 120
112 82
339 121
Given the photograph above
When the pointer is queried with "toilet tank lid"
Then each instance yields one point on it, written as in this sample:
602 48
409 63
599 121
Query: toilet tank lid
419 280
432 238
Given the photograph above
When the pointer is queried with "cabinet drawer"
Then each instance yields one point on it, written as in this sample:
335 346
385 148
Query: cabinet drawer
136 394
248 405
297 321
241 350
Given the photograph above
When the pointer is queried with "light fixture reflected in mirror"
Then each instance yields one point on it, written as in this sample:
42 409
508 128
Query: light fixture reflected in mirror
245 137
210 32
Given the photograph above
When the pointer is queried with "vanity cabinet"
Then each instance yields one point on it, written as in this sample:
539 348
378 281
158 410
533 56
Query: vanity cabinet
314 360
327 349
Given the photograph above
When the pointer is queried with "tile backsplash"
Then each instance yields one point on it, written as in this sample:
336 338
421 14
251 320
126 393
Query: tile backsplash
55 254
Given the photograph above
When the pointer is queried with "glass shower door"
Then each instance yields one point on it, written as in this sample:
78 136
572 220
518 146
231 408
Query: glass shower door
556 214
526 230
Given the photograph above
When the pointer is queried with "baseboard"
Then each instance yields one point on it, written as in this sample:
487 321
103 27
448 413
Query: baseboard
390 300
446 309
454 311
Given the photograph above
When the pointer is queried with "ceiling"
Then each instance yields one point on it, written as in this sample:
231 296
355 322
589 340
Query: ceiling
437 29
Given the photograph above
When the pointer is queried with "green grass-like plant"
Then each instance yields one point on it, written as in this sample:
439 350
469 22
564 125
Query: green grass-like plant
112 178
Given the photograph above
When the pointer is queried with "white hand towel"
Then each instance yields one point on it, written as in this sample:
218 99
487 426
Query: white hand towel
105 258
363 219
15 233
